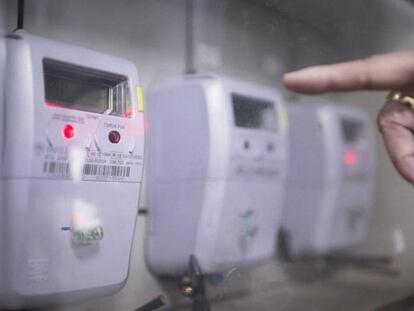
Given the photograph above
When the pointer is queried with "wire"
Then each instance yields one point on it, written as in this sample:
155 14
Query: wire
20 14
189 37
154 304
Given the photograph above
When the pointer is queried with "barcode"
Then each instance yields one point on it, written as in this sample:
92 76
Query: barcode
106 170
56 168
62 169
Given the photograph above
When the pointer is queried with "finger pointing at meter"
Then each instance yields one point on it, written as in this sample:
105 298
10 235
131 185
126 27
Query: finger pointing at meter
393 72
383 72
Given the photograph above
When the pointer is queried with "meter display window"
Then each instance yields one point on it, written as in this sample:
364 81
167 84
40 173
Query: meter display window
254 113
351 129
81 88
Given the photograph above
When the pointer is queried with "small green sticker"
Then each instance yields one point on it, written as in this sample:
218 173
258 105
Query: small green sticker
88 236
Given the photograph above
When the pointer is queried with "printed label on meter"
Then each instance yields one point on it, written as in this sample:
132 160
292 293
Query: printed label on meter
74 151
87 236
113 166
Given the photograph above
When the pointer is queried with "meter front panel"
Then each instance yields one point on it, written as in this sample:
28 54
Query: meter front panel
357 153
258 138
76 96
355 185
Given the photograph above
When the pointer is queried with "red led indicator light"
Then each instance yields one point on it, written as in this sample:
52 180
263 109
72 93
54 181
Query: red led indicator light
349 158
68 131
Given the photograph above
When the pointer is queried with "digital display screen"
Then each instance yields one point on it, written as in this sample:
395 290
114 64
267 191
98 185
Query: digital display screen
80 88
254 113
351 129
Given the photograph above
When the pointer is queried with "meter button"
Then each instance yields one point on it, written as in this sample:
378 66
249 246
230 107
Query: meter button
114 137
270 147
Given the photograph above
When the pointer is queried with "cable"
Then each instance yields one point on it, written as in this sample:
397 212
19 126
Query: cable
154 304
20 14
189 37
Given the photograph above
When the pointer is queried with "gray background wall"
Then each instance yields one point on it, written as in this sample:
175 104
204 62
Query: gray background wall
257 41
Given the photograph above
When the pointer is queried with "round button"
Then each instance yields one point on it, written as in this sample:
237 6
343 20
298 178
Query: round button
114 137
270 147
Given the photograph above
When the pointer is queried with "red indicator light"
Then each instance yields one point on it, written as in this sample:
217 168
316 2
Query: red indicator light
52 104
68 131
349 157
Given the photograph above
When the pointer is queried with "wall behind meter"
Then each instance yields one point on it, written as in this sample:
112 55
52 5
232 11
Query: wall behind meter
254 40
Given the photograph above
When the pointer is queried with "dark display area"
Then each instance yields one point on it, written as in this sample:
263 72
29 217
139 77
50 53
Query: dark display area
254 113
85 89
351 129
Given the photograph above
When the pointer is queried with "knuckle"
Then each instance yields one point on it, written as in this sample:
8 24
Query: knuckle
382 119
392 114
365 76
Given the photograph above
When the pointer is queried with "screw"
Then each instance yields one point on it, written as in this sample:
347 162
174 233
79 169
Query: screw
188 290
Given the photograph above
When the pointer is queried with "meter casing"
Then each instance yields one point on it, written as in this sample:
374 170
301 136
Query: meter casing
331 178
215 190
40 262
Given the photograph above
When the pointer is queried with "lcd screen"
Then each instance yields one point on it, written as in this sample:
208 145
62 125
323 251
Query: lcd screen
75 87
254 113
351 129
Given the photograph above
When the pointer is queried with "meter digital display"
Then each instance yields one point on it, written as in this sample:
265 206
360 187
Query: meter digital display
86 89
351 129
254 113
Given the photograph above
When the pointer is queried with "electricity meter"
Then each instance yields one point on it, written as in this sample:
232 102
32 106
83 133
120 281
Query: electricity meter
331 178
217 161
71 170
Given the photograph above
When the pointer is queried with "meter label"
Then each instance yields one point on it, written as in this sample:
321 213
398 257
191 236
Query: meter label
87 236
75 157
57 164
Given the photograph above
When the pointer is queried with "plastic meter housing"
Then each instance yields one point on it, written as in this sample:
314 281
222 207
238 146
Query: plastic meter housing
331 178
69 194
217 160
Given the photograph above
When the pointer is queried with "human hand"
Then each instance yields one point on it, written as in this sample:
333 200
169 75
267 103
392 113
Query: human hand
394 71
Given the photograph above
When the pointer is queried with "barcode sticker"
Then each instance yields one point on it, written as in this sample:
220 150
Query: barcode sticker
106 170
62 169
56 168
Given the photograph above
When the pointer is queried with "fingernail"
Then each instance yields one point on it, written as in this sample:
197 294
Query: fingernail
290 74
296 75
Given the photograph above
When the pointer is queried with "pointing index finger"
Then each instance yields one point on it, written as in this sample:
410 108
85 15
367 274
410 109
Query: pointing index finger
381 72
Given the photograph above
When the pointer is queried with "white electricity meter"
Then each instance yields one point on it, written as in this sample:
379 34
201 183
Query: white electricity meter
331 178
71 169
217 161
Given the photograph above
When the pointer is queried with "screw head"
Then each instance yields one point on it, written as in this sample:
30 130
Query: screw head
188 290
